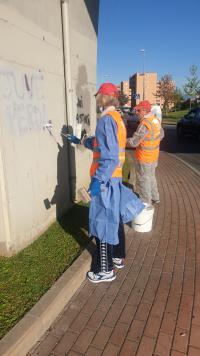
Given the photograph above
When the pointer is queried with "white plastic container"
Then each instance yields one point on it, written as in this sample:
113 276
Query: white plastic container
143 222
78 130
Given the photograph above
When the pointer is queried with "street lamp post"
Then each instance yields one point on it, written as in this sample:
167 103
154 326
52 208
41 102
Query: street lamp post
143 52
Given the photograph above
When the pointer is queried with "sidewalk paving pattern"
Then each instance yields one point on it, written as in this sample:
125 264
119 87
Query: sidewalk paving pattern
153 307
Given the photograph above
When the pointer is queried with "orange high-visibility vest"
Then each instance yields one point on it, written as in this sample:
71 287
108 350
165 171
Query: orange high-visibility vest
121 136
148 149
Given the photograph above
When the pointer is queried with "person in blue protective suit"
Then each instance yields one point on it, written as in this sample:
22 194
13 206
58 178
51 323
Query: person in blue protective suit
112 204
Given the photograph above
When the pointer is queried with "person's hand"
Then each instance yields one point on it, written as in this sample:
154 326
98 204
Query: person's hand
73 139
95 187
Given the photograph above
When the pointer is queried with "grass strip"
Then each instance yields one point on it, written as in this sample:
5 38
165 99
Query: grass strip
173 117
25 277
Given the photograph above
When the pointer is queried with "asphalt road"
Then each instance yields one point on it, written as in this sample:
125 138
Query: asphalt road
188 148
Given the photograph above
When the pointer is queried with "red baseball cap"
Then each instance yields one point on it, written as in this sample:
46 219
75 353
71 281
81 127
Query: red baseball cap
145 104
108 89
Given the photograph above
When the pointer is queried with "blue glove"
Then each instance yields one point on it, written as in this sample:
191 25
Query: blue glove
73 139
95 187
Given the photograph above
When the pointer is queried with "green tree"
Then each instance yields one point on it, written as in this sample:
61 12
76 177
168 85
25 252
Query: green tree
178 98
166 91
191 88
123 98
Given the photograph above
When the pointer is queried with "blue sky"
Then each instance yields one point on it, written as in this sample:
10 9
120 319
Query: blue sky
169 31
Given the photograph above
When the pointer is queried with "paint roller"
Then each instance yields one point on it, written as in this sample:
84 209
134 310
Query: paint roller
77 130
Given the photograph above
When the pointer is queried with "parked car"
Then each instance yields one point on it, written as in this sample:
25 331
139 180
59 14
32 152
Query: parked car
126 109
130 119
132 122
189 124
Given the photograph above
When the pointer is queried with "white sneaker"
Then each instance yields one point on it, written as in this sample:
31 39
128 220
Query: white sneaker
118 262
147 205
156 201
101 276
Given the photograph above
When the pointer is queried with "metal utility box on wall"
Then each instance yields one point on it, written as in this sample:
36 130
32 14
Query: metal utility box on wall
47 73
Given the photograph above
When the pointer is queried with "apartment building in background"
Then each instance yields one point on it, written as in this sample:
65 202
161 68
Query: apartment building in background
144 87
125 88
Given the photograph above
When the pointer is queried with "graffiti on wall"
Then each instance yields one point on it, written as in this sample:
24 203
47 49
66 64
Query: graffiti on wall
82 117
22 100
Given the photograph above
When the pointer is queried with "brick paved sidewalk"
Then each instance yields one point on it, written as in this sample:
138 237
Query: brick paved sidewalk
153 307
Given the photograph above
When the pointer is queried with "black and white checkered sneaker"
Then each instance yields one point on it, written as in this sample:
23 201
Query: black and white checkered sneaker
101 276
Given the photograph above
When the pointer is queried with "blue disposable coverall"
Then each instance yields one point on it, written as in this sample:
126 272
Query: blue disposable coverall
115 203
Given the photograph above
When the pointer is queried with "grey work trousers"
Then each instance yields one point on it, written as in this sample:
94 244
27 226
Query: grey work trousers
146 184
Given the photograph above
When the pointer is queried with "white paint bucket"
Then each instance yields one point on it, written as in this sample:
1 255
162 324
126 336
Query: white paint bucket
143 222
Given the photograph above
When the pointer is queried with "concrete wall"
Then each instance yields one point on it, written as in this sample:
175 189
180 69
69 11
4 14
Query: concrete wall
83 36
37 168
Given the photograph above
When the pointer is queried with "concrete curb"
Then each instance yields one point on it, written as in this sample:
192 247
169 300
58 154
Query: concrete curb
168 123
24 335
185 163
